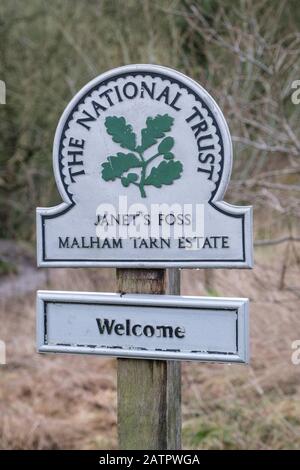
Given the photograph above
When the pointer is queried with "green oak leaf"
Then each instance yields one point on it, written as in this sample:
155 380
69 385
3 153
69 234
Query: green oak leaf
121 164
121 132
116 165
164 173
166 145
155 129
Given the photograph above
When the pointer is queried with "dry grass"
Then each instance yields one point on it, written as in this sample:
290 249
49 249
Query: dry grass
257 406
59 402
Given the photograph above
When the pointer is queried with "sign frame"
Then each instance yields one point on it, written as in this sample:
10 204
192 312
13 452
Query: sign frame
216 202
226 305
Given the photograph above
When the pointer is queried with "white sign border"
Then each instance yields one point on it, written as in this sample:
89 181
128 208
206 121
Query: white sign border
244 212
241 305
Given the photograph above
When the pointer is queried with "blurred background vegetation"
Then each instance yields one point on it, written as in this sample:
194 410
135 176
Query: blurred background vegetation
244 52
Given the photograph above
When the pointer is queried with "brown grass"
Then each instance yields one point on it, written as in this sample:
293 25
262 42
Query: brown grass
65 402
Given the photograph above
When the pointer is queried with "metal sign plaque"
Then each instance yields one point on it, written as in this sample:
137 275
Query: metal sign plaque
143 326
142 158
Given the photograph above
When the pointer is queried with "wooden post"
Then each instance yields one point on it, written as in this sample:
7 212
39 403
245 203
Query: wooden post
149 392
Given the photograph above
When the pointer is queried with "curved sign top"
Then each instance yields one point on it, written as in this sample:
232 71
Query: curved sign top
142 157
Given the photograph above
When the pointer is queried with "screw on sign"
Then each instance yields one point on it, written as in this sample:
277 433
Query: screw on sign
142 157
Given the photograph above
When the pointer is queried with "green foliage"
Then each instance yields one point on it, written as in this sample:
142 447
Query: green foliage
155 129
130 178
165 173
166 145
121 132
115 166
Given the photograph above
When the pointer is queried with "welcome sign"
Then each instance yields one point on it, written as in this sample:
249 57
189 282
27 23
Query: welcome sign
142 158
143 326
